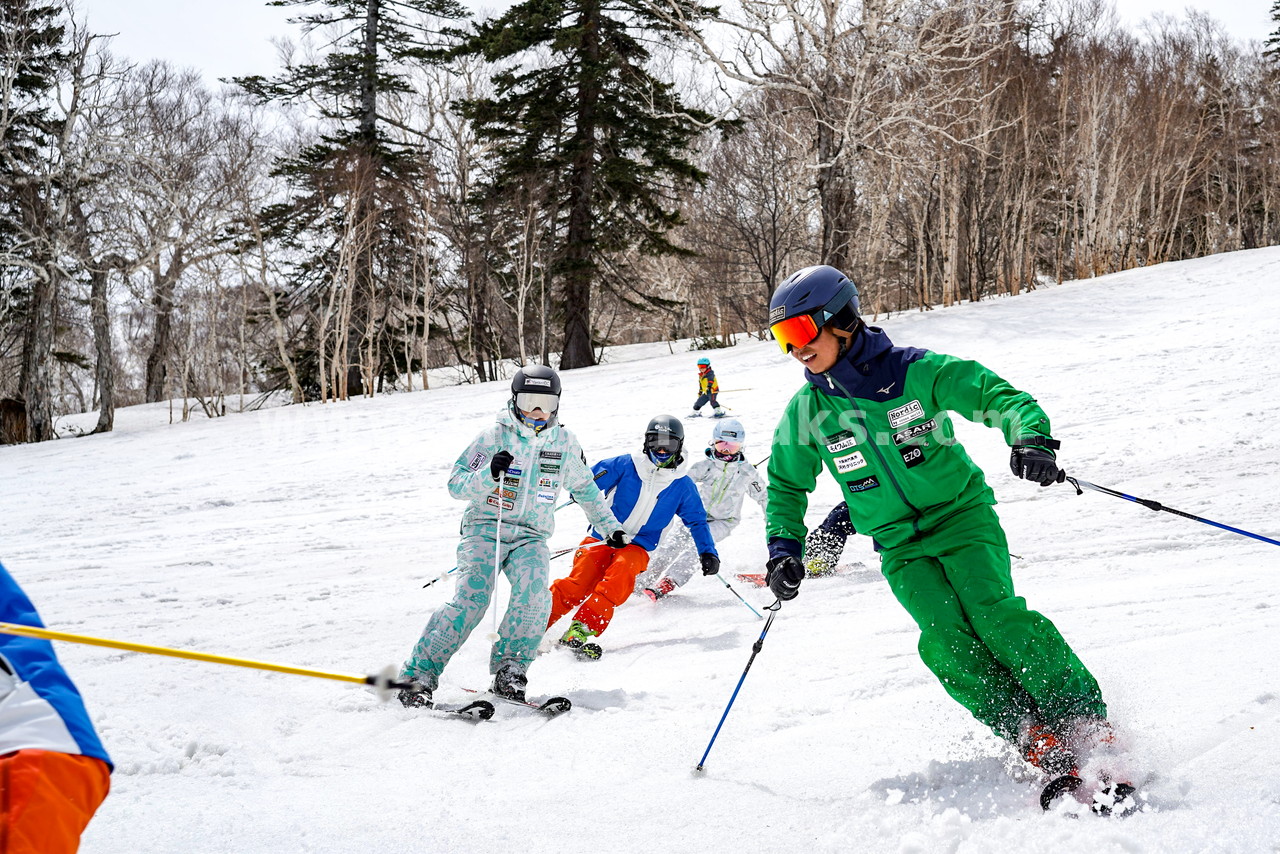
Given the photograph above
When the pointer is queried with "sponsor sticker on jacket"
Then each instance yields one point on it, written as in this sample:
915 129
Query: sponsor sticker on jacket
853 462
545 497
904 436
905 414
506 505
912 456
477 460
842 441
547 483
550 455
869 482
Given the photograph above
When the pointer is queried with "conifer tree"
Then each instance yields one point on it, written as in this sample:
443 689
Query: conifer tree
351 215
579 113
1272 44
32 58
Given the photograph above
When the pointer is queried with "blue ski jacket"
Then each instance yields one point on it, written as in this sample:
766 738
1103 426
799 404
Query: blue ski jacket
40 708
645 498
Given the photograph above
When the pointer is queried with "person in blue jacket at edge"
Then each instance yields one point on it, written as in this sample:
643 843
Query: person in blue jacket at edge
54 772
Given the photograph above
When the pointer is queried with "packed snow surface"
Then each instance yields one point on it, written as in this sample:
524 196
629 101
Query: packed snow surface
303 535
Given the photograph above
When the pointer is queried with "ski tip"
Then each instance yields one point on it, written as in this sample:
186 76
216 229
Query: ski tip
479 710
1058 787
556 705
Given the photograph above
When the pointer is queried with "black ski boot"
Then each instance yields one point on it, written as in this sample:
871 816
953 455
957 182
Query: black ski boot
417 696
510 683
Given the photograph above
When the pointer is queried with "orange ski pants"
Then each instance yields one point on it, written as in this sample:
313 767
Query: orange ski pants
602 578
47 799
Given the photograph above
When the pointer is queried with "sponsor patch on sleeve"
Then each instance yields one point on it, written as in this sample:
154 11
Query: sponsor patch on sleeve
852 462
905 414
477 460
869 482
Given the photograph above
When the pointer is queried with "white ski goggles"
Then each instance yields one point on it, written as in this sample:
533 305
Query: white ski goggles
528 401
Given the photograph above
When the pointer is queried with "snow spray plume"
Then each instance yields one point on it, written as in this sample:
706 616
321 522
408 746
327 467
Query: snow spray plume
1156 505
383 682
755 650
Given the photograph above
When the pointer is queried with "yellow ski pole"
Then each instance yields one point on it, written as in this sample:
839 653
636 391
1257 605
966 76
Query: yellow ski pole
382 682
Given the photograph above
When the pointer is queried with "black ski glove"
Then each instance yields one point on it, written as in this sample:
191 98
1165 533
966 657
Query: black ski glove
501 462
617 540
1035 464
784 576
710 563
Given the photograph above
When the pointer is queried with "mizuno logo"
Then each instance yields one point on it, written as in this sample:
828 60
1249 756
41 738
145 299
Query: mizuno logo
887 388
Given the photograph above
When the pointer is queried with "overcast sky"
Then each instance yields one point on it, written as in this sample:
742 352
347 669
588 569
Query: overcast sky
225 38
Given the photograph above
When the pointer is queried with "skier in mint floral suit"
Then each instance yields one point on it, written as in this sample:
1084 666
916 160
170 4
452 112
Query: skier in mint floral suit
511 476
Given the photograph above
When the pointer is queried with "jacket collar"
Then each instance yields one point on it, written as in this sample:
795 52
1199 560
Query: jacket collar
646 469
853 369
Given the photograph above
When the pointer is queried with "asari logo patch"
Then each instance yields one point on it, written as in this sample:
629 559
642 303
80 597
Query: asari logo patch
870 482
550 455
912 456
905 414
904 436
853 462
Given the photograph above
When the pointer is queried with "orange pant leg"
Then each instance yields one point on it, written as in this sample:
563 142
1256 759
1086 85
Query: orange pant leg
47 799
588 568
617 584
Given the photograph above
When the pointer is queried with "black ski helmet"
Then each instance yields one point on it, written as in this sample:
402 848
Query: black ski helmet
822 293
665 432
536 379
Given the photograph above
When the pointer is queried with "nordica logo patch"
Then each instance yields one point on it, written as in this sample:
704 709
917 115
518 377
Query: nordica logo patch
904 436
905 414
870 482
853 462
777 313
538 381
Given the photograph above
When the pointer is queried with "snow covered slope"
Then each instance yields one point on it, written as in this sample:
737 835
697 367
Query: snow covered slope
303 535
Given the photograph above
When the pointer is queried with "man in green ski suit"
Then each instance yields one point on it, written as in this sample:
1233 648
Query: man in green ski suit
875 416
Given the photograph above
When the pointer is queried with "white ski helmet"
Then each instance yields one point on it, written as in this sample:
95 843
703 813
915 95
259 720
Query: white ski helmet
729 430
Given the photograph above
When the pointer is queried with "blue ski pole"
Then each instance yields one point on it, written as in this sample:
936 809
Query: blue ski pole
755 650
1156 505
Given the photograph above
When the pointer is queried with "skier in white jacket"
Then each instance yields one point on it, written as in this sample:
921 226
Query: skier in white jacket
724 479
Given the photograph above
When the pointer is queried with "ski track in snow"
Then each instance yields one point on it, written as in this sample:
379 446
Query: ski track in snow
302 535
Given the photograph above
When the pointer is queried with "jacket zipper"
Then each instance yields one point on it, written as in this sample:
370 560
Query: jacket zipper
884 463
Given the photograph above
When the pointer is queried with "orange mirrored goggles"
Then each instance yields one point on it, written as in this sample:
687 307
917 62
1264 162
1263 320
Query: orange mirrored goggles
794 332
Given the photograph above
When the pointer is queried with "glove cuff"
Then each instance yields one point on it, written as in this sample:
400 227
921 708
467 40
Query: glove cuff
1037 442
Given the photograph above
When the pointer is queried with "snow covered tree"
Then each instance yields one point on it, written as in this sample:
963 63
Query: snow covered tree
579 119
352 218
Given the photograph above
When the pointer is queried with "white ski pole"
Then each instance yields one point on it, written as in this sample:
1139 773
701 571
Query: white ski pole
497 558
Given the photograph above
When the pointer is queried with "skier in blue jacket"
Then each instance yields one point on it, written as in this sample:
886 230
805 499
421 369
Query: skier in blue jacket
647 490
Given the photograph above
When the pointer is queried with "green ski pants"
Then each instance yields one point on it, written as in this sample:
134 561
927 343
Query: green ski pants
1004 663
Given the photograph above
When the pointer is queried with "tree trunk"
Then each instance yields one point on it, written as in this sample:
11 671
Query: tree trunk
578 352
106 377
36 380
166 283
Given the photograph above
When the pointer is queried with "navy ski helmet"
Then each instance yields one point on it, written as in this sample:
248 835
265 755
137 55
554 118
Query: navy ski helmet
535 387
664 440
809 299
